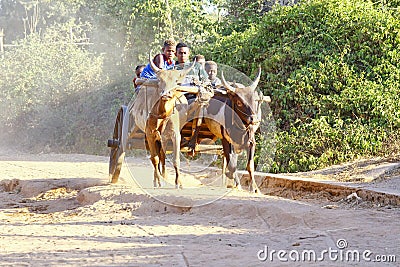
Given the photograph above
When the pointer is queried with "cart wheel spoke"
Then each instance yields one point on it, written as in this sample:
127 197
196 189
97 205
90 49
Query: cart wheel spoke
117 153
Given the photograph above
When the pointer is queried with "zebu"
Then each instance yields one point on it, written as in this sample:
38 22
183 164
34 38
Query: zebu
165 119
152 112
234 117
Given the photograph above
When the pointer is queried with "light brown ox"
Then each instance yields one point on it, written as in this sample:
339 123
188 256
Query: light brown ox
159 110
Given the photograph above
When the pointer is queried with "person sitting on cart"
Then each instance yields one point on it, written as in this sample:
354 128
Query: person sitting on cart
200 59
138 71
163 61
197 77
212 69
197 74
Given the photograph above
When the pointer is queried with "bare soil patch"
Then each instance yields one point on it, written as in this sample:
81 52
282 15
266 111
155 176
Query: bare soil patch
60 210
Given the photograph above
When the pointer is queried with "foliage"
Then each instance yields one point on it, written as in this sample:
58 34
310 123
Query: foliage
45 72
148 23
39 75
332 69
138 27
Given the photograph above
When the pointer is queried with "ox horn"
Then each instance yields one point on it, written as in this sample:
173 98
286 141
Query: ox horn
253 86
225 84
152 65
190 68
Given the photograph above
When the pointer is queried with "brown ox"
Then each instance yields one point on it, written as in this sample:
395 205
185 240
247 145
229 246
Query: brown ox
157 112
234 117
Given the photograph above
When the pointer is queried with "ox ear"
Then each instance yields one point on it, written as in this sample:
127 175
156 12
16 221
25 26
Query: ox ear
253 86
152 65
226 84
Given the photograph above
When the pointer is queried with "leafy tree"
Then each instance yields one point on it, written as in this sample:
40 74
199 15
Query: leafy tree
330 66
48 67
183 20
332 69
11 13
39 74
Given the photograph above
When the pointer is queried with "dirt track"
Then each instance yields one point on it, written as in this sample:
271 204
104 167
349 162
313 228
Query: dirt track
59 210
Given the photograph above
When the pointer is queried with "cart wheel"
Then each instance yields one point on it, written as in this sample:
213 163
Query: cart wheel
116 144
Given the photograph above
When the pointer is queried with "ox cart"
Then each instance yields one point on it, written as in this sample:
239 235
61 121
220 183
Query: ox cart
125 137
189 115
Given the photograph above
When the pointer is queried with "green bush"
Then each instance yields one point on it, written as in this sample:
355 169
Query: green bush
332 69
54 95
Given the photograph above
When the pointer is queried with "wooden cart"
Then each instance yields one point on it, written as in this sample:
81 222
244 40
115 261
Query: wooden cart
123 140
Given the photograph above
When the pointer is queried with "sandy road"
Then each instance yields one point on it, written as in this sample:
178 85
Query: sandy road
59 210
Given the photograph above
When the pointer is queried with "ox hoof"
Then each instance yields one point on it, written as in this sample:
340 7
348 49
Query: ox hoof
235 187
178 186
255 190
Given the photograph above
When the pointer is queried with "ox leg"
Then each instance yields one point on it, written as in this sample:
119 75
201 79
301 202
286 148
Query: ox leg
195 133
195 129
231 162
161 168
154 147
250 168
176 141
155 159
